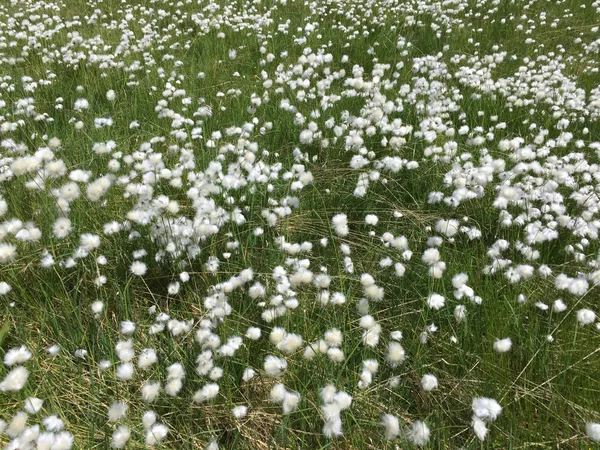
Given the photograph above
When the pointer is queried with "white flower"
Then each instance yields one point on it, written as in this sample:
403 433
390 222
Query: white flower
436 301
253 333
8 252
121 436
33 405
396 354
15 379
207 392
593 431
61 228
586 316
239 412
371 219
63 441
447 227
559 306
486 408
431 256
138 268
391 425
418 433
290 402
340 224
97 308
479 428
17 356
89 241
117 411
147 358
274 366
156 434
17 424
125 371
148 419
53 423
502 345
429 382
127 327
5 288
150 391
248 374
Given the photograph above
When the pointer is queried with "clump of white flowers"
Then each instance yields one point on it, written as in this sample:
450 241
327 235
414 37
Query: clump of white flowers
334 402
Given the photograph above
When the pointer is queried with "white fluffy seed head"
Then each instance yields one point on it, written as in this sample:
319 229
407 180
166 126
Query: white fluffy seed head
502 345
33 405
274 366
121 436
436 301
418 433
593 431
391 426
239 412
117 411
429 382
396 354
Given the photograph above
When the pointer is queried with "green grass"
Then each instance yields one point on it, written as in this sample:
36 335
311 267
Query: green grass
548 391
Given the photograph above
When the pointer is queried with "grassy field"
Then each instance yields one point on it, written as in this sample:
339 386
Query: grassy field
395 198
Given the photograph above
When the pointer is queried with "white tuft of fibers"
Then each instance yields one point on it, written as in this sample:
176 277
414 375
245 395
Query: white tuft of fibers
486 408
586 316
33 405
275 366
436 301
479 428
429 382
121 436
593 431
396 354
502 345
391 425
418 433
207 392
340 224
117 411
15 379
156 434
239 412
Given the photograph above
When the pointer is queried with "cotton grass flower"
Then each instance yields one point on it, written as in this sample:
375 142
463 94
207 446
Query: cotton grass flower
17 356
138 268
239 412
436 301
479 427
502 345
117 411
8 252
274 366
340 225
150 391
486 408
593 431
156 434
429 382
207 392
391 426
15 379
53 424
120 437
33 405
418 434
586 316
396 354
